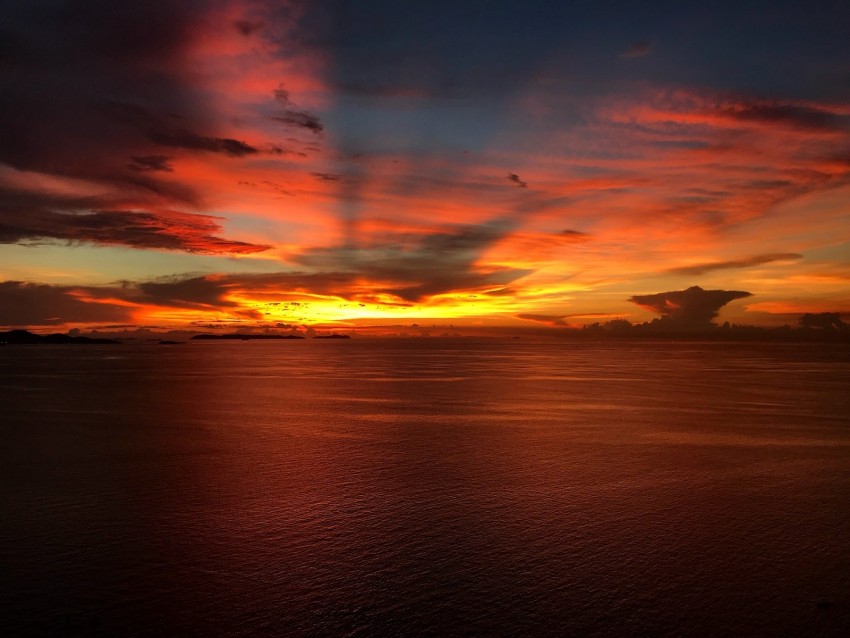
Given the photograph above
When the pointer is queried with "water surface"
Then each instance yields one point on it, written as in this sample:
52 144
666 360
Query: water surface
425 487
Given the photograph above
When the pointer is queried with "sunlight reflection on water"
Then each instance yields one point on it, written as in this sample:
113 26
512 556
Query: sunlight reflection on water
427 487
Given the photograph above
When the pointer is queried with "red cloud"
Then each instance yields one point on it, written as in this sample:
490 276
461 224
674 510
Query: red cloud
163 230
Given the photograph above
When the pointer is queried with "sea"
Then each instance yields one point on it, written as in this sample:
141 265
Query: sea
425 487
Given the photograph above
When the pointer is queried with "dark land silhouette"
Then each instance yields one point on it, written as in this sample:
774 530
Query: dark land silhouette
244 337
26 337
810 327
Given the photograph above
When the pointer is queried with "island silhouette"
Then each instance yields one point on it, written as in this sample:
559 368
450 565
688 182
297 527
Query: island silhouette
824 327
27 337
244 336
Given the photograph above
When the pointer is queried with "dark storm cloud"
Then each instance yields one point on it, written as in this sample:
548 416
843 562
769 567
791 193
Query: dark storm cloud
28 304
689 309
758 260
32 219
516 180
292 116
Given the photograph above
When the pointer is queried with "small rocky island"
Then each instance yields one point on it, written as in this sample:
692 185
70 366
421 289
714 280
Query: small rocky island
243 337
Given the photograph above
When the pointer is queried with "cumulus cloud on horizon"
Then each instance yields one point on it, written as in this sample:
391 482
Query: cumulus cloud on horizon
693 308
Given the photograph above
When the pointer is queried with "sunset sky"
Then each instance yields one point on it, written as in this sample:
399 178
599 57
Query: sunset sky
384 163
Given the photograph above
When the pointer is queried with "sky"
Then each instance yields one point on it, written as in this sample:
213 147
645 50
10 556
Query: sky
362 165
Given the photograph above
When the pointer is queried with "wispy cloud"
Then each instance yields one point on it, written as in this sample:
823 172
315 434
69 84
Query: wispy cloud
516 180
637 49
151 163
747 262
293 116
804 117
549 320
181 138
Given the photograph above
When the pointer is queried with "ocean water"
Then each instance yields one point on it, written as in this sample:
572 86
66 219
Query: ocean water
425 487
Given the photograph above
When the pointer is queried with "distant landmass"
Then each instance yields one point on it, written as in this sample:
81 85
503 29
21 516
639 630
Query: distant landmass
26 337
811 327
822 326
244 337
249 336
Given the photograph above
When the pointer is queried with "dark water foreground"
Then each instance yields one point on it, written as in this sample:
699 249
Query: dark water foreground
446 488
